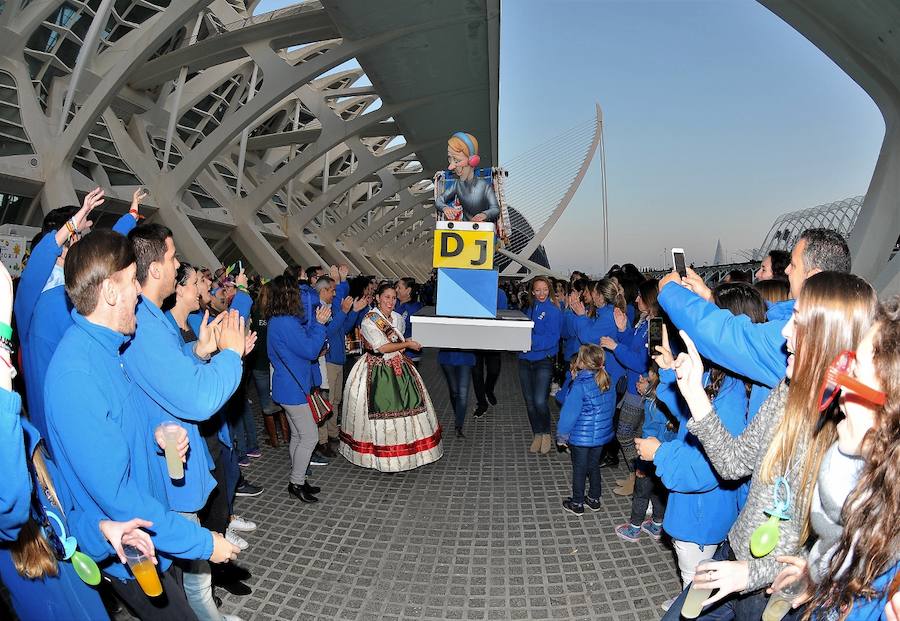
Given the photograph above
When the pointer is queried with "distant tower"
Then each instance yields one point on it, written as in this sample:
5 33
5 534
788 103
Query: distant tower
719 258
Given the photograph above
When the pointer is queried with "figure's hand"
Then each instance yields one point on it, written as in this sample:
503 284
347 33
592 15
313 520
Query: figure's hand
323 314
663 356
182 443
249 343
335 275
642 385
92 200
130 534
726 576
206 341
413 345
689 373
796 569
647 447
361 303
136 199
223 551
695 283
480 217
577 305
608 343
892 610
621 319
343 271
241 279
346 304
231 333
670 277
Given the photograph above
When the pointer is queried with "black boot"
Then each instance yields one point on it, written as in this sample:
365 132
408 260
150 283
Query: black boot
310 489
300 494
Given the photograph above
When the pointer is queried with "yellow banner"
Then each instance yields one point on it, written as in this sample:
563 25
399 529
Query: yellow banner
464 249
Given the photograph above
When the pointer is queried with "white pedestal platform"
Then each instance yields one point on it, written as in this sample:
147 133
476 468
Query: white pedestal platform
511 331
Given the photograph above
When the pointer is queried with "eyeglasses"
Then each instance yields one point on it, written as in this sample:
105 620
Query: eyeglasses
838 377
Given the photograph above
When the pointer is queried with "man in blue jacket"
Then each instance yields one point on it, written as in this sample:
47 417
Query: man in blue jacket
41 306
753 350
183 384
102 425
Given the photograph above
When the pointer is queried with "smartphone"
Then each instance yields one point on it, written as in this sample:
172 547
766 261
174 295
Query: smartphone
144 192
678 261
654 335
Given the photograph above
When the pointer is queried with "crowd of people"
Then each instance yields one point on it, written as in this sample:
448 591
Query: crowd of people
761 429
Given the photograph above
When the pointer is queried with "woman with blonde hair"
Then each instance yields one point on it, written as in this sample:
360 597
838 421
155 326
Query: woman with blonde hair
468 196
536 365
782 447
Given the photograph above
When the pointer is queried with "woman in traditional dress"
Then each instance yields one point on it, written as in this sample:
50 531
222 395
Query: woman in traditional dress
389 422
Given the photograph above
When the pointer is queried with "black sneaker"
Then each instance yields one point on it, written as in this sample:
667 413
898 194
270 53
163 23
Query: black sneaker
593 505
492 399
480 410
248 489
610 461
571 507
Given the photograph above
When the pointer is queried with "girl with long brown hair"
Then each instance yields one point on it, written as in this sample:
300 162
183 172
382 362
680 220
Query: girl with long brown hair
782 447
853 565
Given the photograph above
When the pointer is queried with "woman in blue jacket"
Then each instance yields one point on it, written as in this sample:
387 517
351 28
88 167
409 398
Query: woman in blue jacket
536 365
586 424
629 348
294 345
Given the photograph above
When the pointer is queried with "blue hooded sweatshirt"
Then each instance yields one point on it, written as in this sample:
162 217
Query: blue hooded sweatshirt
182 388
102 427
702 506
63 596
632 353
407 310
42 311
545 334
586 417
592 329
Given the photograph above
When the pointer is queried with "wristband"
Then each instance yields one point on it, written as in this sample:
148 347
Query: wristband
241 288
5 331
6 345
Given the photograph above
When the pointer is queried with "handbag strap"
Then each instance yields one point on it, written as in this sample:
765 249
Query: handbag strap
305 390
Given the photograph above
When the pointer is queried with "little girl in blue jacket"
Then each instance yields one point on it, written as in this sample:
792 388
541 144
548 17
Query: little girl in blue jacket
586 424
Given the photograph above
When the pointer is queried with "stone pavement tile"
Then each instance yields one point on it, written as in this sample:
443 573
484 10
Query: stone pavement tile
480 534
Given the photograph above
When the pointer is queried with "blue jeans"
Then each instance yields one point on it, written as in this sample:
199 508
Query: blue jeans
243 427
458 379
261 381
585 465
534 376
746 607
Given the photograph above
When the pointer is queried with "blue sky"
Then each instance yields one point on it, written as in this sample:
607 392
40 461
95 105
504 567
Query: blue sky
719 117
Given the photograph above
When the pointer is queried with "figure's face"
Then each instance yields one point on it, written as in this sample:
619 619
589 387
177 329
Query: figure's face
457 161
789 332
169 267
204 285
765 270
127 291
641 305
797 272
540 291
859 415
188 294
597 299
326 295
387 300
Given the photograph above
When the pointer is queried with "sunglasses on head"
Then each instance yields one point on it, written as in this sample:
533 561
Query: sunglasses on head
838 378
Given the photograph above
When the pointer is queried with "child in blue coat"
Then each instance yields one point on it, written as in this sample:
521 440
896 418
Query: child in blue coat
586 424
648 489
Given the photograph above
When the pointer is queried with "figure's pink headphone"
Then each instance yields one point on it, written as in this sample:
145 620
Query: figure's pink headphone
474 158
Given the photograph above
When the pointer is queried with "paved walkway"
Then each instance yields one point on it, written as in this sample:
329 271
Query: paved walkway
478 535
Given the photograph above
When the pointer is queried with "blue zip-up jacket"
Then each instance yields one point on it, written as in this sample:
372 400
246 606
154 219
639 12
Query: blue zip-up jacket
702 507
586 417
873 609
656 425
63 596
502 300
456 357
294 347
780 311
753 350
407 310
42 318
570 340
591 329
181 388
545 334
631 352
341 323
102 427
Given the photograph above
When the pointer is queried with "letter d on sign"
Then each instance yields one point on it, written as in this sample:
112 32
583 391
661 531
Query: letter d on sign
446 252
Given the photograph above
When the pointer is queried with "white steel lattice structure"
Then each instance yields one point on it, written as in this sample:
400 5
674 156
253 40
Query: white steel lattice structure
838 216
255 134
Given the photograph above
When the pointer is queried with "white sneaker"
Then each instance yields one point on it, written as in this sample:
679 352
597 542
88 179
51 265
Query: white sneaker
231 618
236 540
554 388
668 603
241 525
